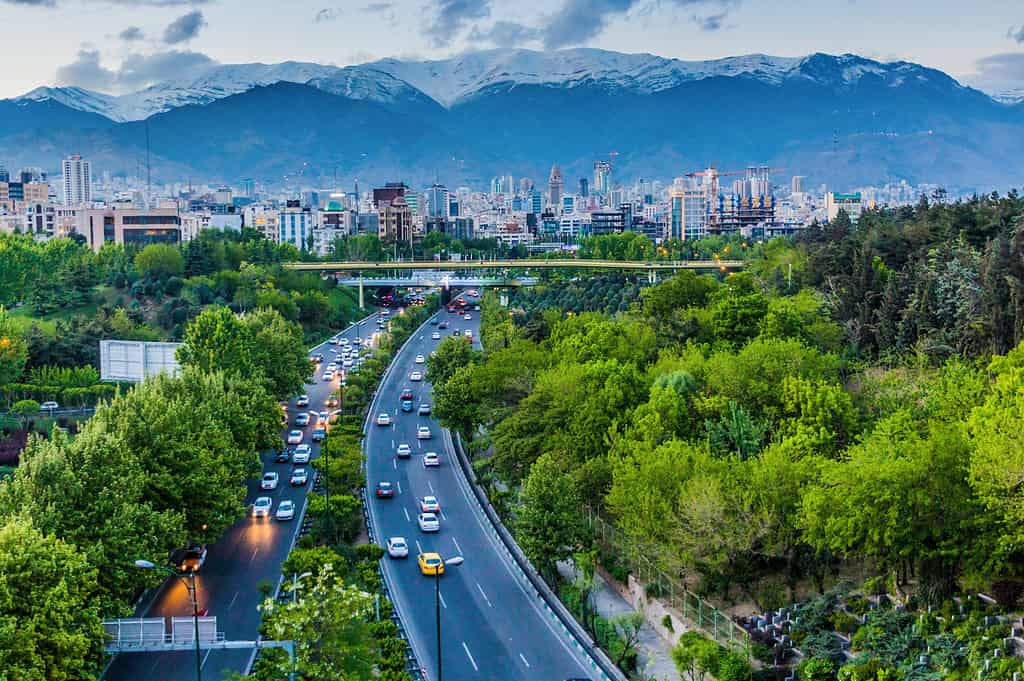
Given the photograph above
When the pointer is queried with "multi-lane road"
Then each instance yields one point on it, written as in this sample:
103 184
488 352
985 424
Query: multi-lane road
494 626
248 554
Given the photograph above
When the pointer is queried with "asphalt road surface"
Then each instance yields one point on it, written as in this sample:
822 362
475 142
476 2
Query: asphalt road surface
249 553
493 625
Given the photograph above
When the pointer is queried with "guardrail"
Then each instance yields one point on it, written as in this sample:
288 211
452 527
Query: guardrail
572 628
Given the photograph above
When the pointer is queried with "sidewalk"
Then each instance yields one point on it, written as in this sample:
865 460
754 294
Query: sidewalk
654 652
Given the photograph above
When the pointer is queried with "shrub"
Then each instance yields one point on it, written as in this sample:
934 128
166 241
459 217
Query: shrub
875 586
843 622
666 622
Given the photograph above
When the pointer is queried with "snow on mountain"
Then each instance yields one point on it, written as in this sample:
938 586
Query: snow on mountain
450 81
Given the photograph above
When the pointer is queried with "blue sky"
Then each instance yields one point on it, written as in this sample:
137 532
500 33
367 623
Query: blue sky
117 45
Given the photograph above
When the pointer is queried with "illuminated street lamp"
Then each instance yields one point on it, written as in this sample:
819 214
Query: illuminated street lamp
189 580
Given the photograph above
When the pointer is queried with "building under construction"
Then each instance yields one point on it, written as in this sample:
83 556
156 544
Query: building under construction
748 206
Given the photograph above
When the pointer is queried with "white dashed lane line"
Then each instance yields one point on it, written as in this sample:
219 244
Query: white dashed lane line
524 660
470 656
484 595
407 518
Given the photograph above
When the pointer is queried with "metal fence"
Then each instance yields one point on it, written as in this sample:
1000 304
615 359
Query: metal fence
706 617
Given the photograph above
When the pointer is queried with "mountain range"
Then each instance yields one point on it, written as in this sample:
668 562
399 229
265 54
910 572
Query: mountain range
840 120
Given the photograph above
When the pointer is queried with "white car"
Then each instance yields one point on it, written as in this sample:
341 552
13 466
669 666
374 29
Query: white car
423 433
49 405
328 375
383 419
397 548
415 376
301 454
269 481
261 507
468 317
428 522
431 459
420 359
299 477
346 363
436 335
333 366
430 504
303 401
424 409
468 333
286 510
302 419
343 342
294 437
403 451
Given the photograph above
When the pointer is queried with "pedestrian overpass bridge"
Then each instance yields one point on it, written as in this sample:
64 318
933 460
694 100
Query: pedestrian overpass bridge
539 264
439 280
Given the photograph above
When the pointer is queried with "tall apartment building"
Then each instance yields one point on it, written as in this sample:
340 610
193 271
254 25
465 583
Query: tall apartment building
688 213
77 181
295 225
394 221
555 186
128 226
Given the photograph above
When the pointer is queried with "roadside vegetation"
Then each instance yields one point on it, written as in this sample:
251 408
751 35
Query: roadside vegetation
841 420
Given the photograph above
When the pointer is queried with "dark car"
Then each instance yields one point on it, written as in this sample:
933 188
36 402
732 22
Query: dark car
319 434
385 490
407 405
406 394
192 558
283 456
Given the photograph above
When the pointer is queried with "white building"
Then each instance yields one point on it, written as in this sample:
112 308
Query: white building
295 226
77 181
851 203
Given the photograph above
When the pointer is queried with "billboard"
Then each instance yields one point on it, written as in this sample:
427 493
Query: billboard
134 361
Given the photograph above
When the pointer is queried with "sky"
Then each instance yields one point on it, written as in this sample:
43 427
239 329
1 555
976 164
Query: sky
124 45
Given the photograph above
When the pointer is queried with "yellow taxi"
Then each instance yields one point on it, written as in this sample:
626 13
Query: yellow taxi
430 564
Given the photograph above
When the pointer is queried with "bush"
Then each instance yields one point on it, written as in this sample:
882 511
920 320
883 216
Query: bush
666 622
843 622
369 552
875 586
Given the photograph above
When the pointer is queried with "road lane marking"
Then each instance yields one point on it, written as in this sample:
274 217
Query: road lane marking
430 487
419 549
407 518
484 595
254 552
443 604
457 547
232 603
392 443
203 663
470 656
524 660
398 483
394 463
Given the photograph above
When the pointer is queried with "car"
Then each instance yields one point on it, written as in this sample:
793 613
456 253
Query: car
423 433
302 419
283 456
456 332
357 341
451 309
428 522
385 490
443 325
406 405
328 375
269 481
468 317
424 409
294 437
383 419
319 434
321 418
192 558
430 504
416 376
346 363
406 394
404 451
343 342
430 564
331 401
303 401
473 293
317 358
435 336
420 359
397 548
380 324
285 510
301 454
299 477
333 366
261 507
332 341
433 321
431 459
49 405
476 308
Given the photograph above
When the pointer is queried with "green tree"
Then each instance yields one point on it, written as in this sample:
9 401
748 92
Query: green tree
25 409
159 261
452 354
49 623
817 669
277 351
217 340
549 523
13 350
695 656
329 624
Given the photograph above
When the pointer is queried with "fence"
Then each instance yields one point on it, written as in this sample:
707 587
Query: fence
709 619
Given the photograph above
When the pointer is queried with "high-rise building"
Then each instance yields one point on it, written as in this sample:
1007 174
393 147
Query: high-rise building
536 203
797 184
555 186
389 192
4 175
295 225
602 177
584 188
77 181
394 221
688 213
438 205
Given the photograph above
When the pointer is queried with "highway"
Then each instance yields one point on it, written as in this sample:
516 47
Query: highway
493 623
249 553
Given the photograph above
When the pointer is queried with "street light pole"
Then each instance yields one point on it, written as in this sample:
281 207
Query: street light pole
189 580
457 560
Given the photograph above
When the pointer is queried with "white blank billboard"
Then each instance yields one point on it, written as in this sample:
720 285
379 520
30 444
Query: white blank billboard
134 361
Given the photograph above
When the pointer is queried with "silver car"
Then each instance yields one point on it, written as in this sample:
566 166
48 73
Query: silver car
261 507
397 547
428 522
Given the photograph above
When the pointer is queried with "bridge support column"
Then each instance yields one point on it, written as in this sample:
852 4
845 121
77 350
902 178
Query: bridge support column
362 302
652 277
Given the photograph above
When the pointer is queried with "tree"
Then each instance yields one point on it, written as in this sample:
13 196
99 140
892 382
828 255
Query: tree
216 340
817 669
49 623
277 351
13 350
328 623
549 523
25 409
452 354
159 261
695 656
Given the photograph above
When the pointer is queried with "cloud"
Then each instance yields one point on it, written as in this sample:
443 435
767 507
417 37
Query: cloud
327 14
378 6
580 20
129 3
1008 66
131 33
32 3
184 28
505 34
136 71
86 71
1016 34
452 15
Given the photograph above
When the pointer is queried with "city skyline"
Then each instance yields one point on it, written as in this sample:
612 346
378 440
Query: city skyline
131 44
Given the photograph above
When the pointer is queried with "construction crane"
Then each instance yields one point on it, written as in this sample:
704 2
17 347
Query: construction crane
714 173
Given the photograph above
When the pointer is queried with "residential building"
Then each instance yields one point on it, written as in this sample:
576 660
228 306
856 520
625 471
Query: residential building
394 221
608 222
602 177
851 203
77 175
389 192
47 220
555 187
438 205
128 226
295 225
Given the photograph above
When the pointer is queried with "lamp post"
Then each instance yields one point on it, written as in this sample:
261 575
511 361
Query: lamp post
189 580
296 578
457 560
